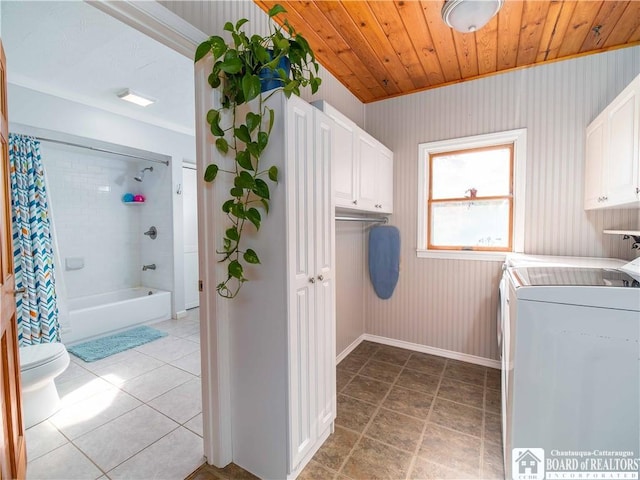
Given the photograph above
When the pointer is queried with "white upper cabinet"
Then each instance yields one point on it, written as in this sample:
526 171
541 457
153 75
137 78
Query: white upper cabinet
376 175
612 166
362 167
345 171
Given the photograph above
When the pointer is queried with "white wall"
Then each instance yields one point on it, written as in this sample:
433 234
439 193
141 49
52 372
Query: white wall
35 109
451 304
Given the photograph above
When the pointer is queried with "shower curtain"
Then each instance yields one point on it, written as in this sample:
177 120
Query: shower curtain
37 309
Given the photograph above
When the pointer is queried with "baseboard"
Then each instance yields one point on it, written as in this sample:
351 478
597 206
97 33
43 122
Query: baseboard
181 314
416 347
341 356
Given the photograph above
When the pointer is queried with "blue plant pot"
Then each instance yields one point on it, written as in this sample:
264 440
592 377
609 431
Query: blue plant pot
269 79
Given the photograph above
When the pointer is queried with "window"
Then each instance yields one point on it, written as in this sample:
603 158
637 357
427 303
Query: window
471 196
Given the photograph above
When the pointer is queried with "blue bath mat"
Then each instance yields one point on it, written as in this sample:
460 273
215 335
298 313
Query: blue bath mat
107 346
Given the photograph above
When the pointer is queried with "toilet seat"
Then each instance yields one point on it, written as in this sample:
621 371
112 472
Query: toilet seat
35 356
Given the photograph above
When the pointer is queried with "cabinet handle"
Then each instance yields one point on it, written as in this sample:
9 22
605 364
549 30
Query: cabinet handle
355 202
312 280
605 198
320 277
637 190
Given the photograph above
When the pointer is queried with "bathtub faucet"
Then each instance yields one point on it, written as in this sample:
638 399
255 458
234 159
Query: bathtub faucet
149 267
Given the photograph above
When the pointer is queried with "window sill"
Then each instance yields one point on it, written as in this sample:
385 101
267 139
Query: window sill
462 255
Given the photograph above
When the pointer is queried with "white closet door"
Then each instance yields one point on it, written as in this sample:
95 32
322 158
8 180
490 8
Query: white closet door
325 280
190 222
302 329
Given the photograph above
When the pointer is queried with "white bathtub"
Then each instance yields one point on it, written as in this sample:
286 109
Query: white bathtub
98 315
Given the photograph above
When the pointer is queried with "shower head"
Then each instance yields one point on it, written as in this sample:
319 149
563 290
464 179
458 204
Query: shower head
140 177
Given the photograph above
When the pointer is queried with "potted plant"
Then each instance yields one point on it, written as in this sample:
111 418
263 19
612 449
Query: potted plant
246 70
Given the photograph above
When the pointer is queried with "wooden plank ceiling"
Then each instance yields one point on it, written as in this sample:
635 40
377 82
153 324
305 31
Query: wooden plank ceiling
382 49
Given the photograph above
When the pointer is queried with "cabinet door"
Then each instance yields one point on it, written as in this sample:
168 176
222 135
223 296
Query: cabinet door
594 158
325 279
622 158
369 190
376 175
385 180
345 172
302 278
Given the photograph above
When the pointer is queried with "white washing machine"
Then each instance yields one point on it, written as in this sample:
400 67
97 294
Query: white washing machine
571 376
515 260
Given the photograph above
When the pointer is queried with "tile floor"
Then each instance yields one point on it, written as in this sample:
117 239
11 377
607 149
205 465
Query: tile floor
405 415
136 414
408 415
401 415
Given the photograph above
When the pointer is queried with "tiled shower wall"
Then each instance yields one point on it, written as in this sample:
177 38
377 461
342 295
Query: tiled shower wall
91 221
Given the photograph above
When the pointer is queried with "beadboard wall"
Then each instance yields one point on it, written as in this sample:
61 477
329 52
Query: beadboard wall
351 278
210 17
451 304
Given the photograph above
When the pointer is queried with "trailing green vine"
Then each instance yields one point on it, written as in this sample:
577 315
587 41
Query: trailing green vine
237 72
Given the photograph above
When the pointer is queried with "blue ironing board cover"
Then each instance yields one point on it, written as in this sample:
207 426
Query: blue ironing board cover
384 259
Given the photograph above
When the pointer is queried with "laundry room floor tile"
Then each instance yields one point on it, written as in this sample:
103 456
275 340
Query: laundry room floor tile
438 419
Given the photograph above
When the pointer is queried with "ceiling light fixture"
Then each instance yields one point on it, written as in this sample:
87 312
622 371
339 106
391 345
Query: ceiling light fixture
467 16
134 97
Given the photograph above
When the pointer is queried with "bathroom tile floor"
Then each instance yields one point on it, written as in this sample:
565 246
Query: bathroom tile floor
405 415
136 414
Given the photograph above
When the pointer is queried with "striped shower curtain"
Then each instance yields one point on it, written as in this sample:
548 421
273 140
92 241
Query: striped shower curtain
37 309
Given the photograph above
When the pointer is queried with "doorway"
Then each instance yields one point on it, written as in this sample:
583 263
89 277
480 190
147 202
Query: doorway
120 385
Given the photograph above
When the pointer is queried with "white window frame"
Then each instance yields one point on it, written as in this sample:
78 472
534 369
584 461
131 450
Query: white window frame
519 139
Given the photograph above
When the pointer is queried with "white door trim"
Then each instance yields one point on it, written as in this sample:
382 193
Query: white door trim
161 24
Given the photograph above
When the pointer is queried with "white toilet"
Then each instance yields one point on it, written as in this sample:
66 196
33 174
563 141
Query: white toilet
39 366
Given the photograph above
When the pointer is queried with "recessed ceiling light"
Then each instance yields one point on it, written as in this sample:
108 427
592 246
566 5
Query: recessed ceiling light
134 97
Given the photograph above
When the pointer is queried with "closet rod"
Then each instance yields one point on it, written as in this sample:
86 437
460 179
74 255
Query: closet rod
103 150
362 219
